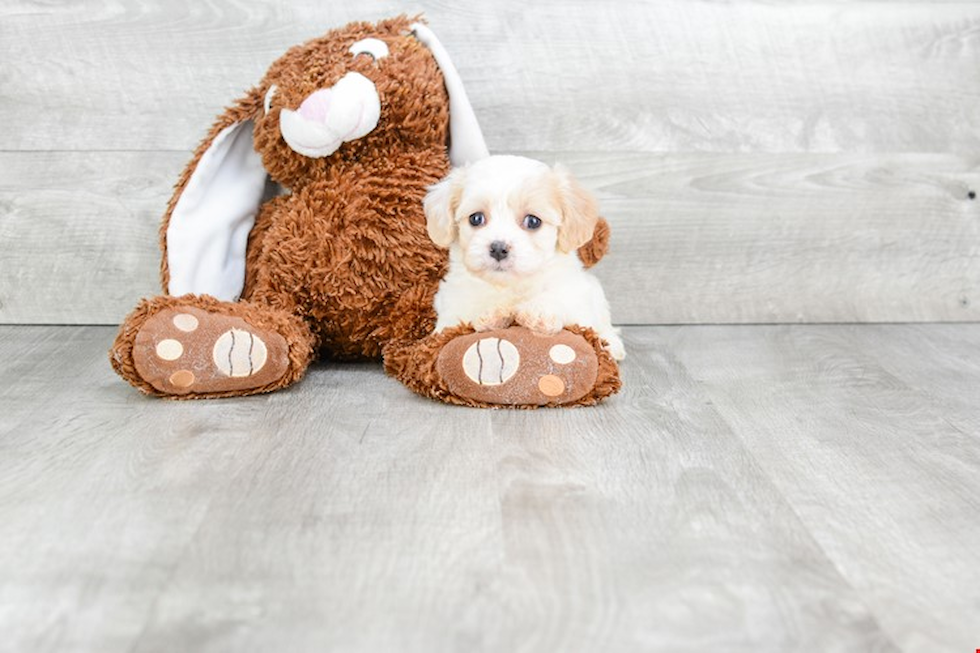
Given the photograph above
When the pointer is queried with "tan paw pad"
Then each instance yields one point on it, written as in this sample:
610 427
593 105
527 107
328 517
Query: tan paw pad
182 379
186 322
551 385
562 354
189 350
169 349
516 366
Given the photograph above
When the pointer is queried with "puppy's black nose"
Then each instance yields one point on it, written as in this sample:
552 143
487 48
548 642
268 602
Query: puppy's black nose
498 250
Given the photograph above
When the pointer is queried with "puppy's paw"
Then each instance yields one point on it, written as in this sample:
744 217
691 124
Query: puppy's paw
615 346
497 319
540 322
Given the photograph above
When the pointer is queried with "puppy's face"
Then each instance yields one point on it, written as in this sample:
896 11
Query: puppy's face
509 216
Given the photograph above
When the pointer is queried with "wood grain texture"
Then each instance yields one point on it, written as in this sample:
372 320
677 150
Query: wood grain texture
696 238
789 238
748 76
78 233
760 162
880 466
348 514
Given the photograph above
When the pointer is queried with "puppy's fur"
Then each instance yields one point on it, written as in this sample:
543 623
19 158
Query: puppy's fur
509 267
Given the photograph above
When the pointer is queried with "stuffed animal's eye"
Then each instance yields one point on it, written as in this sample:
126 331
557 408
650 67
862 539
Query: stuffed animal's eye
478 220
531 222
268 97
377 48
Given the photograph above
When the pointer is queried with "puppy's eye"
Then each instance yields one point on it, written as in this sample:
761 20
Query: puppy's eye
531 222
478 220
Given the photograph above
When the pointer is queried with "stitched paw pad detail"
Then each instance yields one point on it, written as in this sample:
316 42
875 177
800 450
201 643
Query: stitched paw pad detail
238 352
187 350
491 361
519 367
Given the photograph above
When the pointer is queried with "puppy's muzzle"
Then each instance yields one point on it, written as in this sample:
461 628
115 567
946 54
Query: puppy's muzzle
499 250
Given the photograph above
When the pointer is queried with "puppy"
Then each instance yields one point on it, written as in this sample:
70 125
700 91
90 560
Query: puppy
512 226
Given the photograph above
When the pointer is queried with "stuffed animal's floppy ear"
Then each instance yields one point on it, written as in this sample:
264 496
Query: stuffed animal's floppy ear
440 206
466 143
579 210
205 231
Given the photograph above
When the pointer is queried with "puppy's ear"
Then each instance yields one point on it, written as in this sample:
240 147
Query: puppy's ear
440 207
579 210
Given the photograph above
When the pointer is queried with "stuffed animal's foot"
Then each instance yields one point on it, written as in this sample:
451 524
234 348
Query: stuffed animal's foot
519 367
506 367
179 349
184 350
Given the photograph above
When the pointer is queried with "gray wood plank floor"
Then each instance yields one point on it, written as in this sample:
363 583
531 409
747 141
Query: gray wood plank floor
754 488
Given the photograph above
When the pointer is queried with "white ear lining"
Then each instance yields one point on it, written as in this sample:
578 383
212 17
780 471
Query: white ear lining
466 143
209 226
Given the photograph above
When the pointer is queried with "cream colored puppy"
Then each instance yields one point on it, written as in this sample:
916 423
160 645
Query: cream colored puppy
512 226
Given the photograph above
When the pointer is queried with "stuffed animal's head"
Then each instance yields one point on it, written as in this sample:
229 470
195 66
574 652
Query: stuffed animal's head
339 102
355 92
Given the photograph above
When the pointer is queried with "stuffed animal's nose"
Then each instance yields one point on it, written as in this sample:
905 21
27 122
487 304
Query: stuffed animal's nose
330 117
499 250
316 107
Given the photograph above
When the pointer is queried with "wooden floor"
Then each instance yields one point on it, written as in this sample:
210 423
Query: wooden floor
754 488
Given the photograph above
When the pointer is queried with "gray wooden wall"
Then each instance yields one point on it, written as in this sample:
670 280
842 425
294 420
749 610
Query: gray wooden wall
759 161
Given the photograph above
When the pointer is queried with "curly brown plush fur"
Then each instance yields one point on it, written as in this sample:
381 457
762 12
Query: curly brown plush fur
341 266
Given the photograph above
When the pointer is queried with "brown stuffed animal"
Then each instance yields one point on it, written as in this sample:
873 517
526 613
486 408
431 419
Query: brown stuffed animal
297 230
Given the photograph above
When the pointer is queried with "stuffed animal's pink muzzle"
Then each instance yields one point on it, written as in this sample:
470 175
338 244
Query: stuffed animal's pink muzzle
330 117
